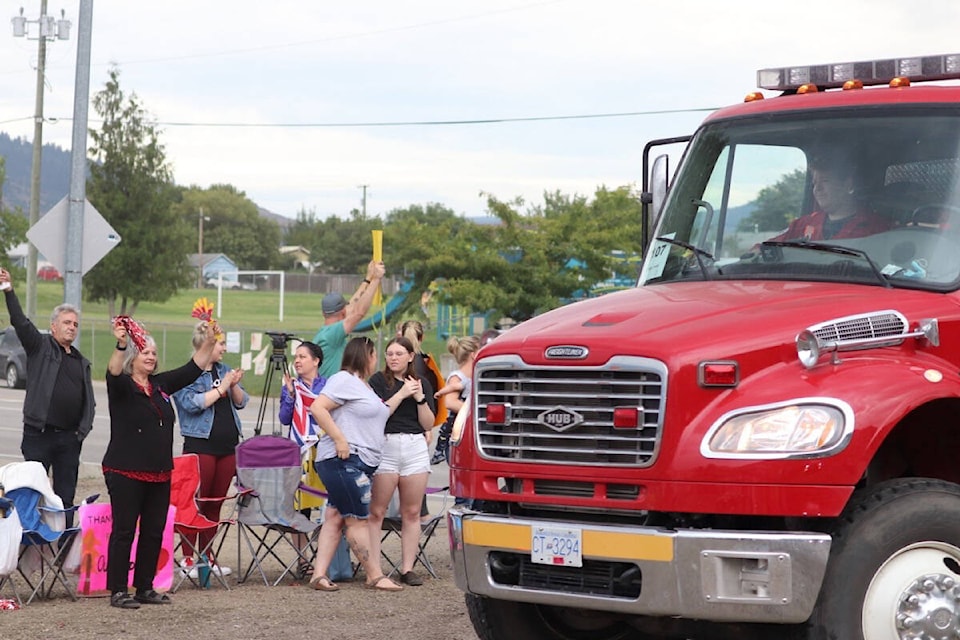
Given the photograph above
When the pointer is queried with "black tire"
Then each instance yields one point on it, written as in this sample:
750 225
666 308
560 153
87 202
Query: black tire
890 540
504 620
14 381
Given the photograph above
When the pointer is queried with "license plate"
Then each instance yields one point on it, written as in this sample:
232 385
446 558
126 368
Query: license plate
561 547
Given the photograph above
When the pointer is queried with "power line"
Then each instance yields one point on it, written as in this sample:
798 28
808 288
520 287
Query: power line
349 36
420 123
328 39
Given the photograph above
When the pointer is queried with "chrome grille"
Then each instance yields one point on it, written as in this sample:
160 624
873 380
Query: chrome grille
591 392
863 327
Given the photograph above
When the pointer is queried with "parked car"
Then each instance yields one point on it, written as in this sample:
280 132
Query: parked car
13 359
48 272
232 284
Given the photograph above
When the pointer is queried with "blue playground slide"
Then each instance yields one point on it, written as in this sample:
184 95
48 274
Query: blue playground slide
386 313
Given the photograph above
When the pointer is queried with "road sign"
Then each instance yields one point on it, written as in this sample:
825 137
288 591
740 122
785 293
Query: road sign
49 236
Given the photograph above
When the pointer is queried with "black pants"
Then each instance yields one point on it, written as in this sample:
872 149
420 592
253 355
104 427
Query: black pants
60 450
131 499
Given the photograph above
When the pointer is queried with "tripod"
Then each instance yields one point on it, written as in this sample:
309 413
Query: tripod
278 362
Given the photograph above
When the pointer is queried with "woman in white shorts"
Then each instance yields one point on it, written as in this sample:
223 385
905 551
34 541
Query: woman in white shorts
405 464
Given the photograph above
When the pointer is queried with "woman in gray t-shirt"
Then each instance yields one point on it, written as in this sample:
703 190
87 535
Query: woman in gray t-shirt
352 417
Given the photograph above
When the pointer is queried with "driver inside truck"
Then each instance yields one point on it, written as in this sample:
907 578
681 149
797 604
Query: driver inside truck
839 213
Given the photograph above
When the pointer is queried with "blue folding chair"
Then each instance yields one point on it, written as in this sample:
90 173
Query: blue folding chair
42 546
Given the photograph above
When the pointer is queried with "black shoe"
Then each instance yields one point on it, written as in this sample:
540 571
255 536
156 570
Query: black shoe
123 601
152 597
411 579
438 457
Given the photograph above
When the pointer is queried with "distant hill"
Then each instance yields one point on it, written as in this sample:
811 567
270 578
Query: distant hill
54 177
54 173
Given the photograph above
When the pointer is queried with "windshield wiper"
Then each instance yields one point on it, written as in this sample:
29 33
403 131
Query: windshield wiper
697 252
831 248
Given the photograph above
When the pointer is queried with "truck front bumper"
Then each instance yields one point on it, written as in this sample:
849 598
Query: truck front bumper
744 576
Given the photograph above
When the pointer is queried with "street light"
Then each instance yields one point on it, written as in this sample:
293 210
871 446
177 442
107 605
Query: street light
47 28
200 249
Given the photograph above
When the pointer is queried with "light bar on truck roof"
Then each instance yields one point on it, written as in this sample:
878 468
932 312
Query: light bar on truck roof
869 72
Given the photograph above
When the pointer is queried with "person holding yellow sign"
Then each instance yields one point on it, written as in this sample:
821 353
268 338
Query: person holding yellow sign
340 317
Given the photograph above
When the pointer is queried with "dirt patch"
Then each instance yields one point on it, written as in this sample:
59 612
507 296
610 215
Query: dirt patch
434 611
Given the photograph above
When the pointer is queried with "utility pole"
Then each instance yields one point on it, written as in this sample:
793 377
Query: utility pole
200 248
35 169
47 29
73 275
363 199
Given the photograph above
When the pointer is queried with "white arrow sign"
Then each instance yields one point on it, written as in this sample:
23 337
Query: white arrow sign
49 236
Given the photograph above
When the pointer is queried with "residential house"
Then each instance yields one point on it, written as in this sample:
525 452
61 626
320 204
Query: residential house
214 264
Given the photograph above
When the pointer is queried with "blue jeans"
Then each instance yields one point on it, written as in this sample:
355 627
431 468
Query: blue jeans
348 484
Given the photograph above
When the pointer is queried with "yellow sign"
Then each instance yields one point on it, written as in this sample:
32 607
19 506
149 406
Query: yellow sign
377 257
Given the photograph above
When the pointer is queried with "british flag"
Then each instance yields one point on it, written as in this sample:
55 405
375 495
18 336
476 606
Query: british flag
304 430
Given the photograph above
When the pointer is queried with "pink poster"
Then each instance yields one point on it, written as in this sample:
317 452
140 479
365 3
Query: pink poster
95 524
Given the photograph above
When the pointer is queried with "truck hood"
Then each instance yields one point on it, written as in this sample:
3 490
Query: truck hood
711 319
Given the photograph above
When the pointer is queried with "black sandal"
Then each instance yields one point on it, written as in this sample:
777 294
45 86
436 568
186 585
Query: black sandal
123 601
304 570
152 597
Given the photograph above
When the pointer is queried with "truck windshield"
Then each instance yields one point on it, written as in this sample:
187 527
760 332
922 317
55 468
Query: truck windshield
871 198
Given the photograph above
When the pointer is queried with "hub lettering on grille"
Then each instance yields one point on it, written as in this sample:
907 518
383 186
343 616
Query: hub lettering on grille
560 418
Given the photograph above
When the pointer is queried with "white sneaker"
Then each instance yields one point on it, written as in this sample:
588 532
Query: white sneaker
221 571
186 566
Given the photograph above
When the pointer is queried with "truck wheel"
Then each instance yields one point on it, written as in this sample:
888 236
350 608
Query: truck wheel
13 377
894 565
503 620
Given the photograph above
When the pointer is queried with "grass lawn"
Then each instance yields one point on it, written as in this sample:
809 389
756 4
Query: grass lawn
171 325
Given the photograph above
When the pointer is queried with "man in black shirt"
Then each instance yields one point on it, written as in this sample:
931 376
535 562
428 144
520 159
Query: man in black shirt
58 407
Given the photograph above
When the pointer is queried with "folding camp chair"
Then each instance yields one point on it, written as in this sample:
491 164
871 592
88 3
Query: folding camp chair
393 526
189 524
43 547
10 534
269 468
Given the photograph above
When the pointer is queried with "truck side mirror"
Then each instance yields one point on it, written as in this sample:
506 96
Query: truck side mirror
658 186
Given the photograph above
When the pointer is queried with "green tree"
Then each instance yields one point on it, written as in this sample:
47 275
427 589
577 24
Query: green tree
232 226
527 263
305 231
13 224
777 205
132 187
345 246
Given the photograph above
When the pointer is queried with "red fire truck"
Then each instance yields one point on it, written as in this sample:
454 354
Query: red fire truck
762 438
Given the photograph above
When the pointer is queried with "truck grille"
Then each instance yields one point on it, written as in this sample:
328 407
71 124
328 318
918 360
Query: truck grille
592 393
596 577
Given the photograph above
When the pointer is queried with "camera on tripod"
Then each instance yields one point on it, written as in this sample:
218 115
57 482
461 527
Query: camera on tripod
278 362
279 339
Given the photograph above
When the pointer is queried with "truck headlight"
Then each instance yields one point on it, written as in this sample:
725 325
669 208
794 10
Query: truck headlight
796 429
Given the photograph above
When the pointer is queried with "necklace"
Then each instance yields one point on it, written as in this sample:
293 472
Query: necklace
147 388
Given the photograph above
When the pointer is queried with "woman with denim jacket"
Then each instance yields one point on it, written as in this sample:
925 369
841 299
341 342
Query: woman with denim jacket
211 428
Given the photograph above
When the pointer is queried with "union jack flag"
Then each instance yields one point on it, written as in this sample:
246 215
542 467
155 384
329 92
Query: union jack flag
304 430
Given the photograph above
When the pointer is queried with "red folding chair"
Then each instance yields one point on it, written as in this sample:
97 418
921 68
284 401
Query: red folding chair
189 524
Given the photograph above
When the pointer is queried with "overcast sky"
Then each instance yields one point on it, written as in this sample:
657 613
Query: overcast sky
306 71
